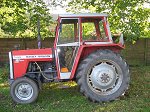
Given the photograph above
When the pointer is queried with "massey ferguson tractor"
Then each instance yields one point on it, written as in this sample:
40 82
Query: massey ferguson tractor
83 51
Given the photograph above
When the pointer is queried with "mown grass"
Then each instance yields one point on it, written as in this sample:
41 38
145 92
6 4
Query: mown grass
55 99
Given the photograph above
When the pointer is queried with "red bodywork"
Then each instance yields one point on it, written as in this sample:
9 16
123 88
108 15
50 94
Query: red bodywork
21 59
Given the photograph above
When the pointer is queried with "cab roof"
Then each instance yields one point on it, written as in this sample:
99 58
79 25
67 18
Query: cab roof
83 15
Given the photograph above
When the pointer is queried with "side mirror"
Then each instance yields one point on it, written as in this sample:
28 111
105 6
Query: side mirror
121 40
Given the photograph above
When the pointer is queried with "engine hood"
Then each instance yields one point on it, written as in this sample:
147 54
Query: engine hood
33 54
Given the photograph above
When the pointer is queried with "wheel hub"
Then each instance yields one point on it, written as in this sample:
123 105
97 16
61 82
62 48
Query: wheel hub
24 91
105 78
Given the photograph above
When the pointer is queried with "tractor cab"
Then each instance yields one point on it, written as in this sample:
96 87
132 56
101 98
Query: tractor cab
75 31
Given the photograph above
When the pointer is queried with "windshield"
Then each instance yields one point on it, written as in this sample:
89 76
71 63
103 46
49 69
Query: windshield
68 31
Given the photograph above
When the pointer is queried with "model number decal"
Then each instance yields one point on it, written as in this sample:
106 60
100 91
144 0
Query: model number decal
31 56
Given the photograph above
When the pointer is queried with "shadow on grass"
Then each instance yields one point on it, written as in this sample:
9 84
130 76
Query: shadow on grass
2 97
64 97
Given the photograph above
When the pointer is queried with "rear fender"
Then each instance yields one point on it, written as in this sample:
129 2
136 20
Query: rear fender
85 50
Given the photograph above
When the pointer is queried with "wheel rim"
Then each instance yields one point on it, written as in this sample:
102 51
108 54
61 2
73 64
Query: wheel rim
105 78
24 91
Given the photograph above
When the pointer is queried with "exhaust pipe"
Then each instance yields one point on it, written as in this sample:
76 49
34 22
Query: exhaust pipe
39 35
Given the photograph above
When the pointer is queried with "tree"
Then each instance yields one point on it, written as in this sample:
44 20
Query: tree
127 16
18 18
38 11
12 16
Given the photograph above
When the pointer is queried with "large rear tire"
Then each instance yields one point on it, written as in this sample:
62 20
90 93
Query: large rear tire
103 76
24 90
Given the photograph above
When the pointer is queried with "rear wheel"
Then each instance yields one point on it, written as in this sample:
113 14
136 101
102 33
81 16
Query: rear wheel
24 90
103 76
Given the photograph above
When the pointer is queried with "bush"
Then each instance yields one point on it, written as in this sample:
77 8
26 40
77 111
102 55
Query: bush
4 71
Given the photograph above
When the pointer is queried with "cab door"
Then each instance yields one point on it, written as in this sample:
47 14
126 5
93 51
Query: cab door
67 46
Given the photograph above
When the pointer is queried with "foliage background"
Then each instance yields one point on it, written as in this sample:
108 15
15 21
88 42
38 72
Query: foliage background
131 17
18 18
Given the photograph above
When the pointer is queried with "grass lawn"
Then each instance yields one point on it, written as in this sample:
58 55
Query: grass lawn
55 99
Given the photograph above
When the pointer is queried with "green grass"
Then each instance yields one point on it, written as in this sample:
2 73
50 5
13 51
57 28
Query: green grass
55 99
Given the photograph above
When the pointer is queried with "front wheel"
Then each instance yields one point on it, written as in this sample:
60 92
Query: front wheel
103 76
24 90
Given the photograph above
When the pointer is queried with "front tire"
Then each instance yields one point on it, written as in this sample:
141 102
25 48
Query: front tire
24 90
103 76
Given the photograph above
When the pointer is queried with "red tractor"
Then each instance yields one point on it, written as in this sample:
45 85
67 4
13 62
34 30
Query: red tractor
83 51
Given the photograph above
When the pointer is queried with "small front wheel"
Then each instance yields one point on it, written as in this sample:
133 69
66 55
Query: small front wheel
24 90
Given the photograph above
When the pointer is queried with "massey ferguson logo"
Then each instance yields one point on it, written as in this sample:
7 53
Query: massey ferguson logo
31 56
